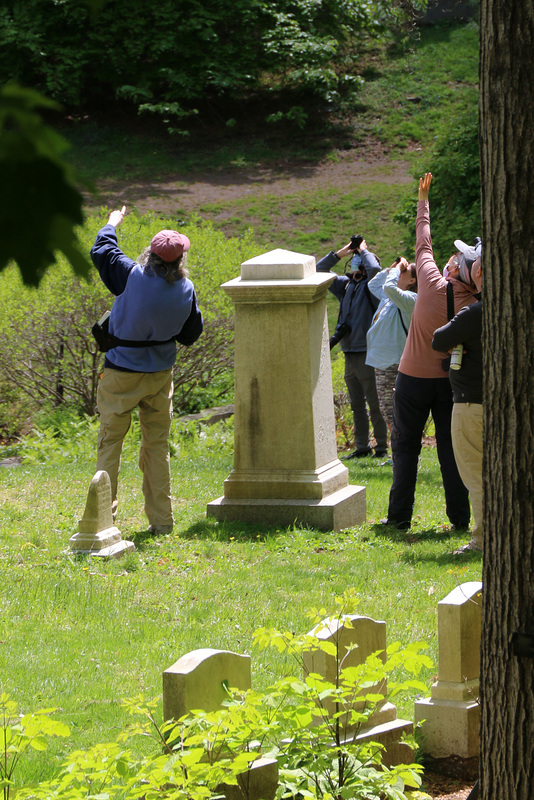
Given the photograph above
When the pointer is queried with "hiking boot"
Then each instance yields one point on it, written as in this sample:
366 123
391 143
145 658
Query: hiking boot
358 454
405 525
380 453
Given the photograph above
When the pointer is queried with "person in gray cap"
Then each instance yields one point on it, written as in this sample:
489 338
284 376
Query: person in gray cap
356 310
465 329
155 307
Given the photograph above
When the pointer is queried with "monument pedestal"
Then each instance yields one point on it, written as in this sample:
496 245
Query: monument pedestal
286 468
338 511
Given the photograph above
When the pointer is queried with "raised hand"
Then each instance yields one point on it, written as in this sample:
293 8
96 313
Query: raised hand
424 186
116 217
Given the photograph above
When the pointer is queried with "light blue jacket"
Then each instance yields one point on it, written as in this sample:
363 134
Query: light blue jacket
386 337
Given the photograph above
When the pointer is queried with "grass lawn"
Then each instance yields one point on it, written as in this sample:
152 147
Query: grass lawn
80 634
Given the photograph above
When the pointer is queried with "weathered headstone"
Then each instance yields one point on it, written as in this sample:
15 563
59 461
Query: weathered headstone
286 467
451 714
370 637
198 681
97 535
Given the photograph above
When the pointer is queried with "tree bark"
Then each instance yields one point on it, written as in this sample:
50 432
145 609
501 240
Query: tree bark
507 174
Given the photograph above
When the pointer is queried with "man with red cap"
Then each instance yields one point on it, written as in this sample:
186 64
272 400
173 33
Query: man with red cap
155 307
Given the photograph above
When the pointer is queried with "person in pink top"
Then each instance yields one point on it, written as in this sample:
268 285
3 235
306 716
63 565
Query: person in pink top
422 386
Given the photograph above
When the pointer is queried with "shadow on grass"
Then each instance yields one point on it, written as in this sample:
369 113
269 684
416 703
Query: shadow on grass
435 534
211 529
412 536
444 559
224 531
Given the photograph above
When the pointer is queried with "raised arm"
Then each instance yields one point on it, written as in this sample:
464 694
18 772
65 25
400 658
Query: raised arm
113 266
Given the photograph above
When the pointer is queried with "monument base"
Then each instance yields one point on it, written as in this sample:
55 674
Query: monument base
105 544
449 727
340 510
390 734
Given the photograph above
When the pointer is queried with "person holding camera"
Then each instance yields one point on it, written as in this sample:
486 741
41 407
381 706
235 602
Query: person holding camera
356 309
395 288
465 331
422 386
155 306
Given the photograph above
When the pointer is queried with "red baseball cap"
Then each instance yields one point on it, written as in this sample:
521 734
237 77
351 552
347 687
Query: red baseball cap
169 245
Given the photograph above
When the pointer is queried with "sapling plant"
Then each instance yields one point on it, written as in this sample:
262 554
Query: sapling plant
308 722
18 733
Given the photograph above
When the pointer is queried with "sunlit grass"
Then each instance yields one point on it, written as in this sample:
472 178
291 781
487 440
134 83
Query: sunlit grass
81 633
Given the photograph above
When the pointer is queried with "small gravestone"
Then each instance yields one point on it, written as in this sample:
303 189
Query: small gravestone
199 681
450 716
97 535
369 636
259 782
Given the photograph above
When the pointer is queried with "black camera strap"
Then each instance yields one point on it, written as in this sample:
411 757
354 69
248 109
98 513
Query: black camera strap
450 301
402 321
445 364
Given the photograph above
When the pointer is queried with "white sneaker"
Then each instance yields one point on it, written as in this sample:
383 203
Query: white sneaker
471 546
160 528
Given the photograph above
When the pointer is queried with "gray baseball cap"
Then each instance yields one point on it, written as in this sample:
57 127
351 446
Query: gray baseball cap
468 256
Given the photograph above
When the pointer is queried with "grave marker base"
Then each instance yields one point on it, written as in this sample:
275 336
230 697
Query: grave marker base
340 510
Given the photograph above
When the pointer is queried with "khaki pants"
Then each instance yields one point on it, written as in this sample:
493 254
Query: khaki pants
466 430
118 394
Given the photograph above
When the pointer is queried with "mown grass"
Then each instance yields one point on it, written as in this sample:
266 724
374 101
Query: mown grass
315 222
80 634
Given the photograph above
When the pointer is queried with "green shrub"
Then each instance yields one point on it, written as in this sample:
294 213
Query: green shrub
171 57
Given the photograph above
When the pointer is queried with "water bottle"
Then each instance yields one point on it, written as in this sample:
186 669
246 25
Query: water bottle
456 356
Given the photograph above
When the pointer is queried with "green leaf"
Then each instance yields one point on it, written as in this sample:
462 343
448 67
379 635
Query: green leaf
39 743
39 203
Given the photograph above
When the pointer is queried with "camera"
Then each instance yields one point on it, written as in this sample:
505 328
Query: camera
355 242
341 330
358 274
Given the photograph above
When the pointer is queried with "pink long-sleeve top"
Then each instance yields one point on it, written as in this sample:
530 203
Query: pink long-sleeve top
419 359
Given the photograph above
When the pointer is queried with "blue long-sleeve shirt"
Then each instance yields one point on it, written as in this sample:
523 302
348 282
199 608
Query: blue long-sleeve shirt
146 307
357 306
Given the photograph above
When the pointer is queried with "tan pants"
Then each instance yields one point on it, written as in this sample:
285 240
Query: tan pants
118 394
466 430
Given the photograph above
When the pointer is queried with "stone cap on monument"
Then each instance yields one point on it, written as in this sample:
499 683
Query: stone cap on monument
278 265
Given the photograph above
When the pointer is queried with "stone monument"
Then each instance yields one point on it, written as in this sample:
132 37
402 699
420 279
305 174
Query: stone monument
451 714
198 680
97 534
286 467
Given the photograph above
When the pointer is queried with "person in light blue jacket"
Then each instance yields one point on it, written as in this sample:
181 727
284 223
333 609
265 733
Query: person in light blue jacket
396 289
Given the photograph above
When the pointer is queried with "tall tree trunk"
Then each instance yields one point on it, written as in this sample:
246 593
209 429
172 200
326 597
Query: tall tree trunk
507 167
